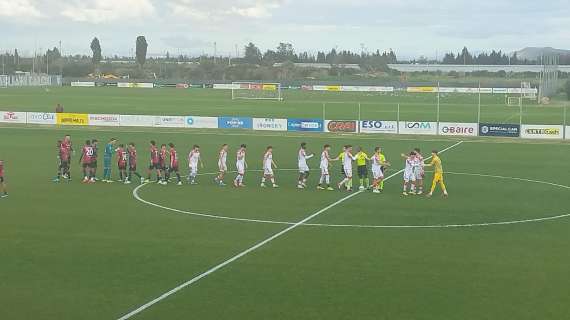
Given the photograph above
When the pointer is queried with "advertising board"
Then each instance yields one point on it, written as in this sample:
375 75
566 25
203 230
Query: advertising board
418 127
269 124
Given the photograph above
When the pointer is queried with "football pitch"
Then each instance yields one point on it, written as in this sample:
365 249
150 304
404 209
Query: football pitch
497 248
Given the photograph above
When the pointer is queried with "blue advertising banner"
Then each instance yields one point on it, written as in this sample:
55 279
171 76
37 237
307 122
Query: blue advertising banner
312 125
499 130
235 123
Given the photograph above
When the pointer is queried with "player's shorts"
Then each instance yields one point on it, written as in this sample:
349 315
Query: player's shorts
1 179
64 164
377 173
122 166
107 163
268 171
93 164
303 169
324 171
86 165
342 171
362 171
438 177
173 169
153 166
348 172
193 170
222 167
409 176
240 168
132 167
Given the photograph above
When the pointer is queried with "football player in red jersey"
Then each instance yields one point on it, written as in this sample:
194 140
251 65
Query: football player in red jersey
174 167
3 187
64 157
133 164
154 161
163 163
69 146
122 158
86 160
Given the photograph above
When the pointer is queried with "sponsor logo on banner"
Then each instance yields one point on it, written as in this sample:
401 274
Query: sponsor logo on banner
13 117
182 86
377 126
72 119
332 88
499 130
41 118
83 84
104 120
135 85
202 122
235 123
341 126
530 131
418 127
421 89
457 129
310 125
170 121
136 121
227 86
306 87
269 124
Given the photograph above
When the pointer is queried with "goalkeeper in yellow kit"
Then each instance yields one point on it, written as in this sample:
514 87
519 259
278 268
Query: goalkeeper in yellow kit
437 174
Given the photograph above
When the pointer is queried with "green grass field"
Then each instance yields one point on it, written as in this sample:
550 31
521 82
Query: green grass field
297 104
497 248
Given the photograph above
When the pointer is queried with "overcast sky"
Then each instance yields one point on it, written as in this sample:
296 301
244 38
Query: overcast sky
410 27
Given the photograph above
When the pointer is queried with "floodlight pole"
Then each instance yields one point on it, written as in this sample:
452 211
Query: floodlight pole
359 112
564 121
479 105
521 107
398 120
437 108
324 112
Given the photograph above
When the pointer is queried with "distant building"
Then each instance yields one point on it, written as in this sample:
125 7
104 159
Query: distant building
326 66
446 68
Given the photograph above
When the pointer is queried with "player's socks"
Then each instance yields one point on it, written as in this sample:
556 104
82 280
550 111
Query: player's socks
361 181
366 182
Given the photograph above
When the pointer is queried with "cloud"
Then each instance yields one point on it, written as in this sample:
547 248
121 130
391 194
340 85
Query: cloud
202 10
184 42
19 9
102 11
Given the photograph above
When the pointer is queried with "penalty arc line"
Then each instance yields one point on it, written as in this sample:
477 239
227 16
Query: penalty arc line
251 249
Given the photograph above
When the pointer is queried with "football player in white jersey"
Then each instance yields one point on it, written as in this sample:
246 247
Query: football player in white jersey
378 163
222 165
303 167
268 165
241 165
347 166
193 161
419 171
409 175
325 164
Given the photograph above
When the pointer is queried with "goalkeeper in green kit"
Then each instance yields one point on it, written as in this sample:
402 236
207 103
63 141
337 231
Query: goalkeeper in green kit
108 159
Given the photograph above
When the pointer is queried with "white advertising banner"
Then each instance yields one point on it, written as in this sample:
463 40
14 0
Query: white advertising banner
170 121
418 127
135 85
226 86
567 132
378 126
486 90
41 118
458 129
500 90
105 120
367 88
269 124
12 117
136 121
543 131
202 122
83 84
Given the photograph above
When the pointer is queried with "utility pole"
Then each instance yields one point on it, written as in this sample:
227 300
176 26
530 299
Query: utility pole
215 51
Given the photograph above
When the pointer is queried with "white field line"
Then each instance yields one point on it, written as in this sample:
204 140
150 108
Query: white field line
251 249
363 226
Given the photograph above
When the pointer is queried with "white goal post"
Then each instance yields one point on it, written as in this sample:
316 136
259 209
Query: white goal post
514 101
256 91
3 81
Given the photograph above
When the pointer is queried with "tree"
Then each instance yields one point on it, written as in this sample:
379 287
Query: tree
141 47
252 54
285 51
96 48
